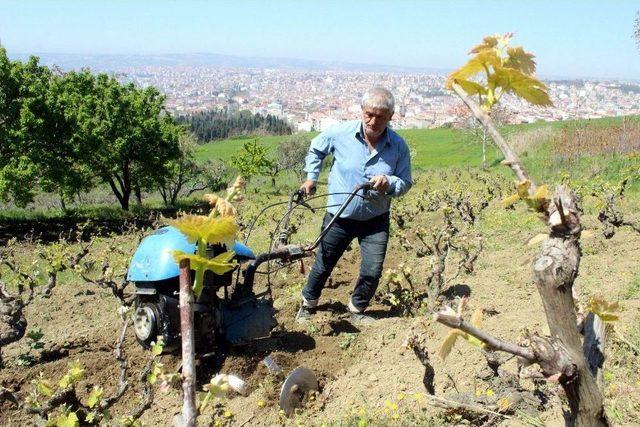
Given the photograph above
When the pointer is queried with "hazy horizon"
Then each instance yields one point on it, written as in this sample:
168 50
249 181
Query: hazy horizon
302 64
577 40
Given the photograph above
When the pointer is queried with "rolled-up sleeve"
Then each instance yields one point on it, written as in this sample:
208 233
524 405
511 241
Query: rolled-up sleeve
318 150
401 181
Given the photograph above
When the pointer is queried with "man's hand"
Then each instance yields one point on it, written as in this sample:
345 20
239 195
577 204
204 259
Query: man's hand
309 187
380 183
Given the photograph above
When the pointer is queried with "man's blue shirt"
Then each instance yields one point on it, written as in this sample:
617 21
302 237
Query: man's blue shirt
354 164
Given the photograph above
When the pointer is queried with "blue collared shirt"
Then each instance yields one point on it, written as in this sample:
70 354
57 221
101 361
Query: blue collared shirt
354 164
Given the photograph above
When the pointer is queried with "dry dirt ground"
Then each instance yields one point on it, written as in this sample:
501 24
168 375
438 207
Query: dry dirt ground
366 375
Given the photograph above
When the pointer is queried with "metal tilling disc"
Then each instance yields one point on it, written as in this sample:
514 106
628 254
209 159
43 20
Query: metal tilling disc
299 382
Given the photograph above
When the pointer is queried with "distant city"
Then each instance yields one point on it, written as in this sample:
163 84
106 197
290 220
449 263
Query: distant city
315 100
326 93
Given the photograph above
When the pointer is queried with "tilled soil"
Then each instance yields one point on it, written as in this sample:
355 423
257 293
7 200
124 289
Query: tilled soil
362 371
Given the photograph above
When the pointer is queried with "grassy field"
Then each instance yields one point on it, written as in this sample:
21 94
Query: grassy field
447 147
431 149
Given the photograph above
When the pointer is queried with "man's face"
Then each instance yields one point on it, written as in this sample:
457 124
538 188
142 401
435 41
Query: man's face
375 121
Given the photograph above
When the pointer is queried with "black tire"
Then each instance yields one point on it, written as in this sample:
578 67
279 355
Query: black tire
146 323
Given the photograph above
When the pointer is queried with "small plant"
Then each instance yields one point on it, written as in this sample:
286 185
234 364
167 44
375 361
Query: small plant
348 340
34 342
219 227
399 293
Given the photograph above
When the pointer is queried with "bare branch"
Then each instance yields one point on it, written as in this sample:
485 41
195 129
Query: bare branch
492 342
510 157
122 362
60 397
147 392
452 404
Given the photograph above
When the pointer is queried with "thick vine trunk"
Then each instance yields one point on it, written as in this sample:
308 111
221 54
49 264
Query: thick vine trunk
563 355
188 350
555 270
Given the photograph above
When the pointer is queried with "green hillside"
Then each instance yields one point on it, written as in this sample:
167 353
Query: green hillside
448 147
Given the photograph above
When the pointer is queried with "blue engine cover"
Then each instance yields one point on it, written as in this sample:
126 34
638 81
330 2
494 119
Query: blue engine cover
153 260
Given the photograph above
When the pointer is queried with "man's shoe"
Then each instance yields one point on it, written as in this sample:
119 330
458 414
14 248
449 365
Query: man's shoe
361 319
304 314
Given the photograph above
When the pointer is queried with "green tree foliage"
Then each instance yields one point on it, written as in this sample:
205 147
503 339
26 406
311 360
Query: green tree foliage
292 152
63 133
48 130
253 160
122 133
19 86
212 125
186 176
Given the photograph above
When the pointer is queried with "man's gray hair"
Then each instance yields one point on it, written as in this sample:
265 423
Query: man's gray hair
378 97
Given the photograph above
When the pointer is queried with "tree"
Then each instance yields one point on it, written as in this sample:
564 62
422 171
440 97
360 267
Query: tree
562 356
292 152
36 133
122 133
185 175
48 131
476 131
252 160
18 84
212 125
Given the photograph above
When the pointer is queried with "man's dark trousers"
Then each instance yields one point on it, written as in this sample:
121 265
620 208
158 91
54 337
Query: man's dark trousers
372 235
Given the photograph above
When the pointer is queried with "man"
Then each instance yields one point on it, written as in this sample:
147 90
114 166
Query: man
363 150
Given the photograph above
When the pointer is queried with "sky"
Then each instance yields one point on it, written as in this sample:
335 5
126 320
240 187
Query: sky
574 39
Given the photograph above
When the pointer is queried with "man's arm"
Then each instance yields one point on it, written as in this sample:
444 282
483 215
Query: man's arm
318 150
401 181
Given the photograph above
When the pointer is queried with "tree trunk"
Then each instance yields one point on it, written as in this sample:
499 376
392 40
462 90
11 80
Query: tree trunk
555 270
188 350
122 196
510 157
63 204
484 149
138 194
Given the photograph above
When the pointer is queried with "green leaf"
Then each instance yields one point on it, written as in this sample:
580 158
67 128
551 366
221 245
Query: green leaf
44 388
73 375
511 200
157 347
156 371
219 265
471 87
521 85
474 66
449 341
95 396
210 229
604 309
489 42
69 420
35 334
520 60
91 416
